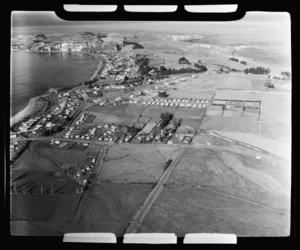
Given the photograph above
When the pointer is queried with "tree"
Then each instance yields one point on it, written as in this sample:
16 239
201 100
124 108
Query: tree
196 65
126 78
165 119
118 47
286 73
163 94
183 60
233 59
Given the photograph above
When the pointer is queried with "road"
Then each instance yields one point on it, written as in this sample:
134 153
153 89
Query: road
92 181
225 148
100 159
153 196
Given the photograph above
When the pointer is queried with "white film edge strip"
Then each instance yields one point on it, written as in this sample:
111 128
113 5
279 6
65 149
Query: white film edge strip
151 238
90 237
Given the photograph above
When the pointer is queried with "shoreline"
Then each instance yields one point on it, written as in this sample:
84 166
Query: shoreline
29 110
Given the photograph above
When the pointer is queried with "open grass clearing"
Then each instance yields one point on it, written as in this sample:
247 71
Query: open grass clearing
212 212
230 124
132 163
111 206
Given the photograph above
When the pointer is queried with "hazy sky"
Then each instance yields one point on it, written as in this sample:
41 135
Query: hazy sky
21 18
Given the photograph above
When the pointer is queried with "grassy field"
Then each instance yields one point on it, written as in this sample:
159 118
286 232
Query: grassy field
230 124
114 118
110 207
276 107
43 207
190 91
187 114
223 192
43 228
234 174
32 161
153 111
203 138
227 82
133 164
231 113
258 84
212 112
38 182
135 110
193 123
211 212
250 95
277 146
126 113
42 156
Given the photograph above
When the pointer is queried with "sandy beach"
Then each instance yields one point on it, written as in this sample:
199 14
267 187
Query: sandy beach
35 104
101 64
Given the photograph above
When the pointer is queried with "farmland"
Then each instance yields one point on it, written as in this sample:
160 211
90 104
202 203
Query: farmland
234 194
142 148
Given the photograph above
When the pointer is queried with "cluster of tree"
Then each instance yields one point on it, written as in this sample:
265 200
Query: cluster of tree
233 59
183 60
198 66
228 70
269 84
118 47
142 62
175 123
258 70
165 119
136 45
286 73
163 94
49 132
132 130
243 62
164 71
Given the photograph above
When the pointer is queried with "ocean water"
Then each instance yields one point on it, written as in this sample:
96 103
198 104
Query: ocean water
32 74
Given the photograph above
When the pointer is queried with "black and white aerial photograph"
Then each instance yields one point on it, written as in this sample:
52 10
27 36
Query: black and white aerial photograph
150 126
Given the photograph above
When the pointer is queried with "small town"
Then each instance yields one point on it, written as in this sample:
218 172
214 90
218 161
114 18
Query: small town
150 127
